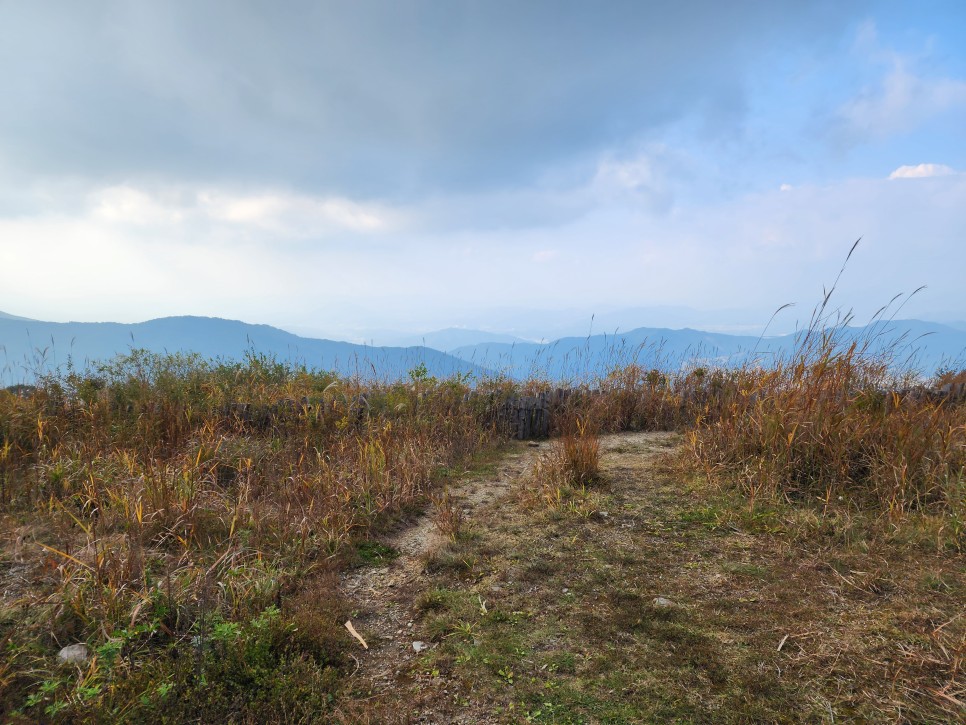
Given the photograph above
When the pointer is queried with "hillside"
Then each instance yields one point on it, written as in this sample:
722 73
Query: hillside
759 545
6 316
32 346
927 345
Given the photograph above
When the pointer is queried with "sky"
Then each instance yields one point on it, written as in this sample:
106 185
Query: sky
337 168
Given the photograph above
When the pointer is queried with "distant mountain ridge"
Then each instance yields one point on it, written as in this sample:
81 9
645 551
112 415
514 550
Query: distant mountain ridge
7 316
30 346
925 345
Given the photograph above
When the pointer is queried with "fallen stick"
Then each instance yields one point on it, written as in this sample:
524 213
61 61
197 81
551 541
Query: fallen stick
352 631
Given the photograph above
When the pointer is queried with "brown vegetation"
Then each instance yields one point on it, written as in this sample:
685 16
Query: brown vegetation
186 520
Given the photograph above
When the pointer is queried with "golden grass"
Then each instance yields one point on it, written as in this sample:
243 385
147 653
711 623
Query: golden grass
835 424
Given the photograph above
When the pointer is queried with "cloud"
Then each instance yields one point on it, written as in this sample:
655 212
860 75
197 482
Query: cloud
280 162
902 101
544 255
902 98
128 205
295 214
370 100
776 247
278 212
922 171
761 250
645 178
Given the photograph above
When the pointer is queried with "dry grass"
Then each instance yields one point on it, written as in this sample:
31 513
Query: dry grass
144 509
570 465
184 520
448 515
835 423
581 453
841 419
770 618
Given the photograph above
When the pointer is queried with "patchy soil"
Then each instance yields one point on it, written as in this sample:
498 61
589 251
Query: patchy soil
383 597
654 597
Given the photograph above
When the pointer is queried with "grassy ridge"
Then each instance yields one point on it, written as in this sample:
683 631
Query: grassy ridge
169 531
185 519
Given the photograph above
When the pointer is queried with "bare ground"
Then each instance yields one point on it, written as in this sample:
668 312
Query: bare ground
383 598
654 597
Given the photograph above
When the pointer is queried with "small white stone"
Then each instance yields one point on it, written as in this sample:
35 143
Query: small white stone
76 654
420 646
662 602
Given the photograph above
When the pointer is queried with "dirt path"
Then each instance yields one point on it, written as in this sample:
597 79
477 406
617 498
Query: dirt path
653 596
382 598
386 600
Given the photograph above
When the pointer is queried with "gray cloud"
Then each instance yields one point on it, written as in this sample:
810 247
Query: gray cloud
371 99
327 164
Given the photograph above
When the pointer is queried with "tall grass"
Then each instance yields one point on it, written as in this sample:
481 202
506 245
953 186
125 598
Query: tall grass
581 453
841 418
571 464
829 422
163 497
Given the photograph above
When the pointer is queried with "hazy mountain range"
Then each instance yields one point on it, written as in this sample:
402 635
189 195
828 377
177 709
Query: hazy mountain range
925 346
31 346
530 324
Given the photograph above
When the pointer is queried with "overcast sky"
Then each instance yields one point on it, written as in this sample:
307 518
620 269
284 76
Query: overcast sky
412 165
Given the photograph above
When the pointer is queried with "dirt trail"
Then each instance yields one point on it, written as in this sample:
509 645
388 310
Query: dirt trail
383 597
654 596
